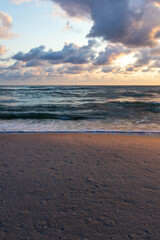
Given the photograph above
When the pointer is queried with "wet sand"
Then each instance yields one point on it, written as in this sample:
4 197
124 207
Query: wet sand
79 187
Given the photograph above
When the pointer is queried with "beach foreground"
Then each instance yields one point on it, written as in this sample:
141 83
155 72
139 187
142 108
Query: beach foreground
79 187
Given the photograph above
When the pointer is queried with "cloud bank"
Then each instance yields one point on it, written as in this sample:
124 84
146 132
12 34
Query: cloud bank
73 58
70 53
129 28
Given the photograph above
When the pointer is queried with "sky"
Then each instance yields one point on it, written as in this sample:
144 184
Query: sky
80 42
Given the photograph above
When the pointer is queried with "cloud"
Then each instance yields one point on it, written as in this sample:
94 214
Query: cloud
111 52
157 3
76 8
155 51
134 23
16 65
68 27
157 34
20 1
70 70
108 69
5 26
156 64
130 69
78 60
131 22
143 58
2 49
71 53
21 74
33 54
148 57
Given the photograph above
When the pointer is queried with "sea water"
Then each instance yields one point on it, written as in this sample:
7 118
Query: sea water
106 109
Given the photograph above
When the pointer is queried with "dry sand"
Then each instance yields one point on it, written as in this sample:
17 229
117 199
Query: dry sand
79 187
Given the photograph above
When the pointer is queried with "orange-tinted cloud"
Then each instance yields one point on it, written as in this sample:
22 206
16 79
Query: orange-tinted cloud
5 26
2 49
20 1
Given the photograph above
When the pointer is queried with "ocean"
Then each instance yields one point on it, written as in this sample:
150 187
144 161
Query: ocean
99 109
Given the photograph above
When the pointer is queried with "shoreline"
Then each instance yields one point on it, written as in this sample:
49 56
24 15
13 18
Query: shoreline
96 132
79 186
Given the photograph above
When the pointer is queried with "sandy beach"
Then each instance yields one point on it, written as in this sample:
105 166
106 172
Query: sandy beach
79 187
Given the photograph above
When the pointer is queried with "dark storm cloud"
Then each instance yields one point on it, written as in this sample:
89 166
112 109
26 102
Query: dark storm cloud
131 22
70 53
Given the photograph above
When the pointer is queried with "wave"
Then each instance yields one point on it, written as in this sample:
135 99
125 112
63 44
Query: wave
80 111
79 103
112 132
138 103
40 116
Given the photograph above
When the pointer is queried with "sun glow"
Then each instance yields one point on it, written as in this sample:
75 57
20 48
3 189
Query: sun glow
126 60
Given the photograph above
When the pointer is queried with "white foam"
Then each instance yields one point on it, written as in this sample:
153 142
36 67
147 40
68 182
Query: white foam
56 126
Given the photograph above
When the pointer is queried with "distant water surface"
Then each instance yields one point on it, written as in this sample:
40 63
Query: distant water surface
80 108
